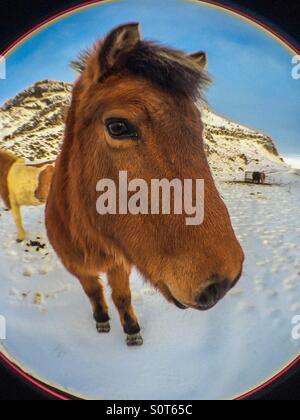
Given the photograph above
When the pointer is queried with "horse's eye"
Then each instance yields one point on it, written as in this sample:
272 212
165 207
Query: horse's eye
121 129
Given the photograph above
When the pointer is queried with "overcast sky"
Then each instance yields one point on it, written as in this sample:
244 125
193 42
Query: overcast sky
251 70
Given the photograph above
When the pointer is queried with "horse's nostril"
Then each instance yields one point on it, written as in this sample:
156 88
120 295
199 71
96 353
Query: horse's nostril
209 295
212 294
213 291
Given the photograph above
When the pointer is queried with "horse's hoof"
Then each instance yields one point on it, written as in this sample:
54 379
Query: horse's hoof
103 327
134 340
19 241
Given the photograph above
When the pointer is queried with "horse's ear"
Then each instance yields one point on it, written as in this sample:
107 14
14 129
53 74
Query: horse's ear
201 59
117 43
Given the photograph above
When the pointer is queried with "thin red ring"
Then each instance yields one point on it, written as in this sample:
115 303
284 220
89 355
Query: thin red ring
33 381
269 29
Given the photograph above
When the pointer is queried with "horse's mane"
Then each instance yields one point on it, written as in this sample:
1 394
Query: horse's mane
7 157
169 68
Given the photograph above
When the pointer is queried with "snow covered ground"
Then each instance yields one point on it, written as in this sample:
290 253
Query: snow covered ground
220 354
294 161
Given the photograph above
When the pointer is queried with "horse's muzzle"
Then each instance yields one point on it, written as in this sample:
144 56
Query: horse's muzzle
213 293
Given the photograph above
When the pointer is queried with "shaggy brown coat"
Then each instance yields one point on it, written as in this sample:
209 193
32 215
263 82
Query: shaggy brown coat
152 88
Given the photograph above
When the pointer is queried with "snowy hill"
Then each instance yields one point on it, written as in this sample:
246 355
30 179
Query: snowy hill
233 148
31 125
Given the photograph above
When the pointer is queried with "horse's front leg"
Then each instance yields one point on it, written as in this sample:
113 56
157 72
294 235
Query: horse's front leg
119 282
95 292
16 212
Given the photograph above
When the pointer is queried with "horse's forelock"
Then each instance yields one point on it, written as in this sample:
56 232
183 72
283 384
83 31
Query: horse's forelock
79 65
170 69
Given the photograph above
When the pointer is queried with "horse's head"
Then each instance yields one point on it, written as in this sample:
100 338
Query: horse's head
134 110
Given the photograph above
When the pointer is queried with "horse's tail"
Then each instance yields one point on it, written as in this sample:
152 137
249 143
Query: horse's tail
7 159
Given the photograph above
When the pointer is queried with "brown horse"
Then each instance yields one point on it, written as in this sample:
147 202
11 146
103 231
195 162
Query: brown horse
23 184
133 109
259 177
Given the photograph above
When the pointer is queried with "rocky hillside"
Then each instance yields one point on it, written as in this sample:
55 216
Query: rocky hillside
32 124
233 148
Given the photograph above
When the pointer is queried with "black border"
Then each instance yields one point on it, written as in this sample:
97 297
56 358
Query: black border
18 17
